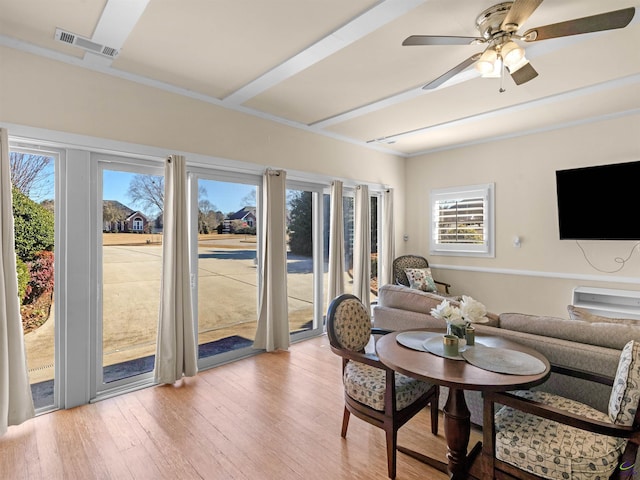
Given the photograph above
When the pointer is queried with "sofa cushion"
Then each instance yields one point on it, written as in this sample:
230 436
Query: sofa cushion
395 319
577 313
625 393
421 279
611 335
405 298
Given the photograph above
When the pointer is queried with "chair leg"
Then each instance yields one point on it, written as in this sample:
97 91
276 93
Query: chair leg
488 438
345 422
392 446
434 415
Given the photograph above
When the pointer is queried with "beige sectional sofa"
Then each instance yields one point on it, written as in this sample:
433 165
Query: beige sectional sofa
593 346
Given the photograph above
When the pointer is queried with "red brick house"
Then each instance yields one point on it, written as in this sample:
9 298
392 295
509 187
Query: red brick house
117 217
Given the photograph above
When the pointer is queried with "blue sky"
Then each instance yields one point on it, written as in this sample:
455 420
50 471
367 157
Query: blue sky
226 197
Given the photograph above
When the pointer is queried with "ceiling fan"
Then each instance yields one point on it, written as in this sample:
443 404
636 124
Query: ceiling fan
498 26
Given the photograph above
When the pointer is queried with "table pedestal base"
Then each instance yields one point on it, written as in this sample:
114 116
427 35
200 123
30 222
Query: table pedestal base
457 430
471 473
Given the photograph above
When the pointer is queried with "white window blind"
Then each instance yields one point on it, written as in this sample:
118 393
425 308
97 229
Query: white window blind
462 220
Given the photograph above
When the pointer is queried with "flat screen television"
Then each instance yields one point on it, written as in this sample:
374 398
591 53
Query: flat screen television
599 203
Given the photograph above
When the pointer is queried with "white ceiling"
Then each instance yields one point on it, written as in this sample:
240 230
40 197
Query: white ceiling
338 68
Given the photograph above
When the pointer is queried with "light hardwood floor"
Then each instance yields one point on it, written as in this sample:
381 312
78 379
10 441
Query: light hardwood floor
272 416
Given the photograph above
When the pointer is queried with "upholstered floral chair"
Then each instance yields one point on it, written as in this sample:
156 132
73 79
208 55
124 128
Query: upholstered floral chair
541 435
374 392
418 268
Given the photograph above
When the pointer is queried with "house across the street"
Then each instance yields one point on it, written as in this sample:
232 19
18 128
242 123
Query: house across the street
245 216
119 218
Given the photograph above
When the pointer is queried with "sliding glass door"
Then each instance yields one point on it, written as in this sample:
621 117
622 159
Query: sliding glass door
301 281
131 205
376 220
89 243
349 229
35 202
225 257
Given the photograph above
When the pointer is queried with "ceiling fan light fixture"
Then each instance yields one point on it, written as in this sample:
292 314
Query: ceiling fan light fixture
486 62
518 65
511 53
496 70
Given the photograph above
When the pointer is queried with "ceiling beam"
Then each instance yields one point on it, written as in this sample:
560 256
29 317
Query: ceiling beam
117 21
517 108
373 19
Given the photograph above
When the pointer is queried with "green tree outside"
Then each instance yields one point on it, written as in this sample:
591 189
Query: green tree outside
300 226
34 226
23 278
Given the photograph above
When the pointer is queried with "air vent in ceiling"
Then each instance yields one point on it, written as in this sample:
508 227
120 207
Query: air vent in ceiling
84 43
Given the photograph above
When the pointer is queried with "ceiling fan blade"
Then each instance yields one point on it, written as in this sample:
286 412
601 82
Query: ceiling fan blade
451 73
594 23
524 74
436 40
519 12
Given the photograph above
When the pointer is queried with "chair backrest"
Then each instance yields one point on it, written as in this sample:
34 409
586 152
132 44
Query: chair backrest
625 393
407 261
348 323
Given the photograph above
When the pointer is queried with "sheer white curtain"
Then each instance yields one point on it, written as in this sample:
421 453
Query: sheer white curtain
336 243
362 246
388 235
16 404
273 317
175 351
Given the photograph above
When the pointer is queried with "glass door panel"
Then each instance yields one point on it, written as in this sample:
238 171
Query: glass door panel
348 228
227 266
300 278
375 216
326 231
131 270
33 180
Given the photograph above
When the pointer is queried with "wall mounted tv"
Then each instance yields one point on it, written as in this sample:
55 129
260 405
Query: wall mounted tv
599 203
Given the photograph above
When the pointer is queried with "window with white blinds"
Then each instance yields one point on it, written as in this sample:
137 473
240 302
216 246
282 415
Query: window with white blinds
462 221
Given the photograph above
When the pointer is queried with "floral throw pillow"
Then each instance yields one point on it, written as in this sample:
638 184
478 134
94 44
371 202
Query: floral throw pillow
625 393
421 279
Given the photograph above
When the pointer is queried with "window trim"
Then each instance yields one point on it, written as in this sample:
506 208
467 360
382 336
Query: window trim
486 249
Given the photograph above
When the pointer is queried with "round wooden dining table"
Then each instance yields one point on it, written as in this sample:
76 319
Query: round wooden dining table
459 376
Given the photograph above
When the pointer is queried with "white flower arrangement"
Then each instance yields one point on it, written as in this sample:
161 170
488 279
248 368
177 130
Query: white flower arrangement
451 315
470 311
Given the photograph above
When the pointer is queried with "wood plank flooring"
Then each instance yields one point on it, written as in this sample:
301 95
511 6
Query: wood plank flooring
272 416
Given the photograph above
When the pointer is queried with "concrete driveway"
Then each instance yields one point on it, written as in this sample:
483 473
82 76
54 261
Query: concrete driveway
227 299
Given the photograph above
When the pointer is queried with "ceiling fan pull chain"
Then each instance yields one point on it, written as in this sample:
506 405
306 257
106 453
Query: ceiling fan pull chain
502 67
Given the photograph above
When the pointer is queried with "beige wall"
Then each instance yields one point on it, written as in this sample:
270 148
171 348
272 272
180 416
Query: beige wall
539 276
43 93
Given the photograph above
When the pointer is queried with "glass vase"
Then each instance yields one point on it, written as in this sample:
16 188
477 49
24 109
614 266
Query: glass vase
460 332
457 330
